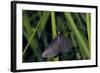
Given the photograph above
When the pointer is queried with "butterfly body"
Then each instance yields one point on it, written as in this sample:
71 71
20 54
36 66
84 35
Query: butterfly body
58 45
66 44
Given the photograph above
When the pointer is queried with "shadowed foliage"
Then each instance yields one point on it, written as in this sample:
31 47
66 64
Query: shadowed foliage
52 32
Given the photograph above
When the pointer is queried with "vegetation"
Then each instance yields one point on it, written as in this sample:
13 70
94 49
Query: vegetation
41 27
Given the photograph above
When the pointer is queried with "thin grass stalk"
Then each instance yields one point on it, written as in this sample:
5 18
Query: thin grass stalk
45 15
53 20
88 28
75 45
27 33
77 34
54 32
26 24
83 17
78 19
30 39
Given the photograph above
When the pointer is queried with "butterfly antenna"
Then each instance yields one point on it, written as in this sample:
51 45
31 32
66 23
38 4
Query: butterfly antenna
62 27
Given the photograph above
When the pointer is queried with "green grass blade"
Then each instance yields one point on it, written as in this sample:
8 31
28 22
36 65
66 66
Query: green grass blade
53 20
42 21
27 33
88 28
77 34
30 40
54 32
78 19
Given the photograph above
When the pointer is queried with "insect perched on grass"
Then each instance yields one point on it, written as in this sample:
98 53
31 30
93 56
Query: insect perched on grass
60 44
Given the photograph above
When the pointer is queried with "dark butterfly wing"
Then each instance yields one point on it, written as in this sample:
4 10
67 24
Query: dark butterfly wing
66 44
53 48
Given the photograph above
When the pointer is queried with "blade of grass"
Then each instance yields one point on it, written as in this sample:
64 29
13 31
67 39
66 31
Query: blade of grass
83 17
88 28
75 45
27 24
53 20
30 39
42 21
54 33
79 20
27 33
73 40
77 34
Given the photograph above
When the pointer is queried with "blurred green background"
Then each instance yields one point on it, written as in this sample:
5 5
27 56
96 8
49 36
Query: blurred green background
41 27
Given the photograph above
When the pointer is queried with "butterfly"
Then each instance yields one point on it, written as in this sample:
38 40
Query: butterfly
60 44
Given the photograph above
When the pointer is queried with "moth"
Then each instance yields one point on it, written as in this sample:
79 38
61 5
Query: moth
58 45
